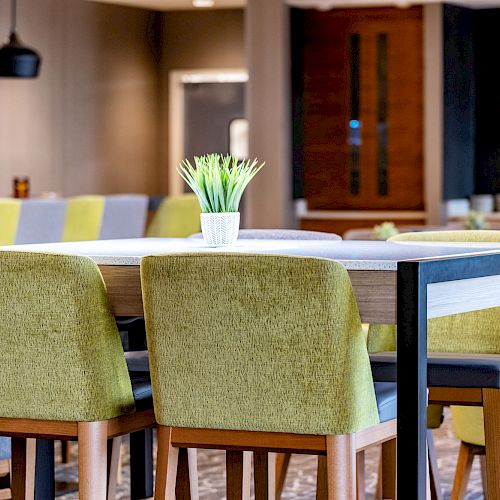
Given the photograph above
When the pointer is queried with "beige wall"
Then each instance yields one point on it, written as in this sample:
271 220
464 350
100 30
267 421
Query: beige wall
197 40
96 120
90 123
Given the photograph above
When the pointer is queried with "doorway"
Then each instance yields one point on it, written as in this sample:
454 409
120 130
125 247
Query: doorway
207 115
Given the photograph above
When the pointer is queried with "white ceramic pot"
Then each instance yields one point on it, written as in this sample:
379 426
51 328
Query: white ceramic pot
220 229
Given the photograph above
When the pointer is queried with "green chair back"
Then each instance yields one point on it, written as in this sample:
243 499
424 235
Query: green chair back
177 217
245 342
9 218
472 332
61 355
83 218
461 236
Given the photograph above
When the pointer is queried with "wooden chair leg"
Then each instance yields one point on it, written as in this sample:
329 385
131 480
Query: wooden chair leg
435 479
23 468
119 475
462 473
193 472
65 451
186 484
264 470
378 488
282 462
360 476
247 474
92 460
166 465
322 479
491 411
341 467
238 475
114 450
388 470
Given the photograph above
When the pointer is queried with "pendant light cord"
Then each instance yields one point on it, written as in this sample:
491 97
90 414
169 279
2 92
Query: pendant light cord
13 13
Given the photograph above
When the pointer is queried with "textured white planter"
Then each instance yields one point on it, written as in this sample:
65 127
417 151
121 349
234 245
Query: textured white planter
220 229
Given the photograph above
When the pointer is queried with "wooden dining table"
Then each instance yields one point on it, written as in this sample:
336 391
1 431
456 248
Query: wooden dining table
394 283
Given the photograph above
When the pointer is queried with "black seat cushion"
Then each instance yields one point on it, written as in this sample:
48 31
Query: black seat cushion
445 369
141 388
386 395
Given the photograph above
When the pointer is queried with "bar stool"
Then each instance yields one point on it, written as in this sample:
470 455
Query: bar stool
63 373
247 355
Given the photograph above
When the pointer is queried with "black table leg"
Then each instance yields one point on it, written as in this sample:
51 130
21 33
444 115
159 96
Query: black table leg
44 470
412 381
141 464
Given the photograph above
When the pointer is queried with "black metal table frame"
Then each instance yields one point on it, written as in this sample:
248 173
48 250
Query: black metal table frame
412 280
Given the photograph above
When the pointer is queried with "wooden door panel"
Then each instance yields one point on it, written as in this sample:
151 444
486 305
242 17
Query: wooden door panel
327 109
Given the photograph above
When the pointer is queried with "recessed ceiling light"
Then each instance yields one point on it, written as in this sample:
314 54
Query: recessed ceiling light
203 3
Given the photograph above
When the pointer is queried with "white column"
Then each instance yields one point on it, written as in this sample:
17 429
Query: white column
268 201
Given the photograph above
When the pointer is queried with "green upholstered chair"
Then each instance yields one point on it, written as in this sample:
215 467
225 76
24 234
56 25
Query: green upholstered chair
247 355
83 218
9 219
177 217
63 373
476 332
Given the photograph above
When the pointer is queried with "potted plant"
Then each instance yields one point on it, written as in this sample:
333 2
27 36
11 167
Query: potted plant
219 182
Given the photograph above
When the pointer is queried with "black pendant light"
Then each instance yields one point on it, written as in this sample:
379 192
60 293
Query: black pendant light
17 60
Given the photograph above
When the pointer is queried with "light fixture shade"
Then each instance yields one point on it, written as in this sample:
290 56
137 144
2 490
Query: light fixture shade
17 60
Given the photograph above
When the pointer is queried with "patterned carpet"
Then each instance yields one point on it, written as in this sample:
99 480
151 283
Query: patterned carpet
301 479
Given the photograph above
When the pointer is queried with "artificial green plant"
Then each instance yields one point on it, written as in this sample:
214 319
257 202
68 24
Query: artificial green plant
219 180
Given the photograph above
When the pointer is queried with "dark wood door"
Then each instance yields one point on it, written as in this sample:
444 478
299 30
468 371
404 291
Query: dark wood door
362 109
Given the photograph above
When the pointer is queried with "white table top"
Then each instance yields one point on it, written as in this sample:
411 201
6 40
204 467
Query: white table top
354 255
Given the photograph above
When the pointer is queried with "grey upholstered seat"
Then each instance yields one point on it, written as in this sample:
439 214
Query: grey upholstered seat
386 396
124 216
137 361
141 388
4 448
41 221
445 369
280 234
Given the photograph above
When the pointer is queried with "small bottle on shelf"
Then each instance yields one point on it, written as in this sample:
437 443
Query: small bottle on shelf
21 187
